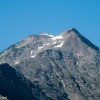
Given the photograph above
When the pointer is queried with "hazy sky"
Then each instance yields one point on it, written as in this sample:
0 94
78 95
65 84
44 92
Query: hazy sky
20 18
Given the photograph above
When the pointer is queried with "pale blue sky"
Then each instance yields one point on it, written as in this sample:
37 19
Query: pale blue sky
20 18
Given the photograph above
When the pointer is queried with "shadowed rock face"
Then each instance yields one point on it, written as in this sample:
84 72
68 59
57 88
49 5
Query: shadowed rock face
11 84
15 87
64 67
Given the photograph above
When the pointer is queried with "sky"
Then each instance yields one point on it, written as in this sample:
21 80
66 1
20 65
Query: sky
20 18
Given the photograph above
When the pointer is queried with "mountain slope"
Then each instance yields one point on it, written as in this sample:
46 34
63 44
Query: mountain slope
15 87
65 67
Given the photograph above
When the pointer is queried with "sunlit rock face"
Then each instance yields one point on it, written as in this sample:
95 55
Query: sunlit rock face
63 67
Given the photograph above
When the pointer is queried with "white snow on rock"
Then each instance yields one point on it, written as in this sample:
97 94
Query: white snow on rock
78 54
46 34
60 45
51 35
39 48
16 62
54 42
57 37
32 52
33 56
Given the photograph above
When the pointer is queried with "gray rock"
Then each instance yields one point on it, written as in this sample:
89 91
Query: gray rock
64 67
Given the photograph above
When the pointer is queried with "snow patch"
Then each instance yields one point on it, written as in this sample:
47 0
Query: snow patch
57 37
46 44
33 56
39 48
32 52
17 62
54 42
78 54
46 34
51 35
60 45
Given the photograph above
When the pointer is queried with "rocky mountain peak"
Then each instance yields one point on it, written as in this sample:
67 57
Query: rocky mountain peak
69 31
63 67
73 30
73 36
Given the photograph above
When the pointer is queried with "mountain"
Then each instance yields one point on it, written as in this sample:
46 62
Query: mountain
64 67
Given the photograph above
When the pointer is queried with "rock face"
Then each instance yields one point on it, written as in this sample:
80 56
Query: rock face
64 67
14 86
